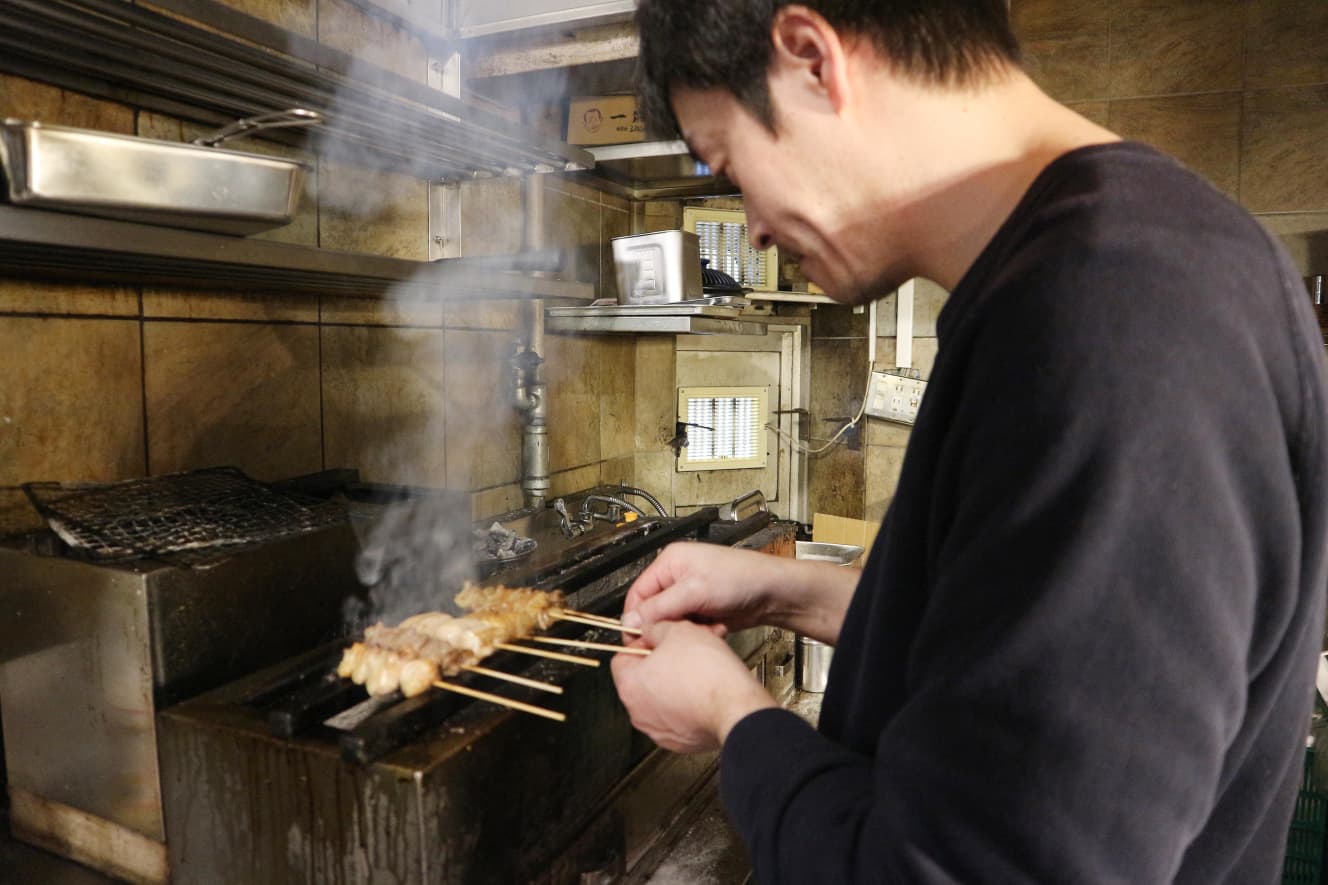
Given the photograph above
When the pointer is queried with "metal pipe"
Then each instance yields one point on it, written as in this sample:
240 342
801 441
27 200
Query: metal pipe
531 391
642 493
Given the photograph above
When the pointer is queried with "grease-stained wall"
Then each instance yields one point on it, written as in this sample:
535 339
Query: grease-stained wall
1235 89
108 383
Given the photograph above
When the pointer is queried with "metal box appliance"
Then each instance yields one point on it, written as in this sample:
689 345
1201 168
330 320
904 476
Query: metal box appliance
658 268
90 652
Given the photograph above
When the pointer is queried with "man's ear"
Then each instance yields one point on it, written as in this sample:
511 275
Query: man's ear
809 48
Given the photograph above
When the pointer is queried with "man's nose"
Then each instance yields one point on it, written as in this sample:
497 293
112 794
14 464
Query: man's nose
758 234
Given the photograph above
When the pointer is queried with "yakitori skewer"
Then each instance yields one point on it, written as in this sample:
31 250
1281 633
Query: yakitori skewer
551 655
605 624
501 701
603 619
514 679
593 646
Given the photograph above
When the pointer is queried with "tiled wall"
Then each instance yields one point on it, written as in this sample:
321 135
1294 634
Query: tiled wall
1236 89
111 383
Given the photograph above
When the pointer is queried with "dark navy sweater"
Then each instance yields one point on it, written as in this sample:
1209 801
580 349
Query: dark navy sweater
1083 646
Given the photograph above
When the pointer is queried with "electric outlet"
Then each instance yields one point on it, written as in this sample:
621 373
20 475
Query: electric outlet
894 397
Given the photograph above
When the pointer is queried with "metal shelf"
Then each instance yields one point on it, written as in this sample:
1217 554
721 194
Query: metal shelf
215 72
37 244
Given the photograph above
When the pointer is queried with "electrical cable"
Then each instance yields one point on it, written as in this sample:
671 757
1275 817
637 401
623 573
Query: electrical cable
801 446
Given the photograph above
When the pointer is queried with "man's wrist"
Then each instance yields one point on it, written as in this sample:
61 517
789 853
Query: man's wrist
740 708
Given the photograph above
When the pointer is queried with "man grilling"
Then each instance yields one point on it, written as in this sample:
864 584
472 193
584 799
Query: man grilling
1083 646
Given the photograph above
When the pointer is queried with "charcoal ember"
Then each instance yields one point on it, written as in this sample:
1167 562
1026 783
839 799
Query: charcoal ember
497 542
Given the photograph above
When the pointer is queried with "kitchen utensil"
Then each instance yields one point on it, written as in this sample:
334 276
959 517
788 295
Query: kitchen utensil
813 657
150 181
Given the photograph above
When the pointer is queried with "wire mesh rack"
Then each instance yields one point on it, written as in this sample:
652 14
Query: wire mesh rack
190 517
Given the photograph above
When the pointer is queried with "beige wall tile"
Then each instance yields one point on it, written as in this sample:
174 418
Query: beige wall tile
483 433
28 100
928 300
654 472
1097 111
370 38
303 228
573 224
1166 46
386 311
366 210
71 407
262 307
565 482
656 394
24 296
838 321
720 486
1305 235
836 483
617 397
1032 19
574 368
1202 131
1071 67
838 380
384 399
661 215
572 188
298 16
883 465
1284 166
495 501
492 216
504 315
613 224
1286 43
233 393
622 471
877 432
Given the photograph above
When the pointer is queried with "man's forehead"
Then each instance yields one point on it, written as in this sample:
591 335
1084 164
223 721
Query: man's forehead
703 115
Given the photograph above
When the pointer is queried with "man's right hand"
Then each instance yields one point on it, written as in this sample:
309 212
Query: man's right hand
738 589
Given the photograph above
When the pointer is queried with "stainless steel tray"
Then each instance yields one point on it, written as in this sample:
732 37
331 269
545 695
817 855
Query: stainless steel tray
145 180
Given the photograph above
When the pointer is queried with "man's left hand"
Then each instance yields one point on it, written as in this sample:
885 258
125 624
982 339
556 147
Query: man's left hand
690 691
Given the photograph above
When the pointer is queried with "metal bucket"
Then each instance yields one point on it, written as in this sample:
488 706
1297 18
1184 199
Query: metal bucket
813 658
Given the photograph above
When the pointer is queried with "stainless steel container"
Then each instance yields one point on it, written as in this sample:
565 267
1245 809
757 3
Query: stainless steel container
813 664
813 658
145 180
658 268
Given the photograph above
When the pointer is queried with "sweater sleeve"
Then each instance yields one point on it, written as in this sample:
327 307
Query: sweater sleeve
1111 504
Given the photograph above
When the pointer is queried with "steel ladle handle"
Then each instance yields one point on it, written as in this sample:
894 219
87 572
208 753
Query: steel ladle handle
275 120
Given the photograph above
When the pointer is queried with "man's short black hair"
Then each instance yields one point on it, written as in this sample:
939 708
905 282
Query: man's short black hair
702 44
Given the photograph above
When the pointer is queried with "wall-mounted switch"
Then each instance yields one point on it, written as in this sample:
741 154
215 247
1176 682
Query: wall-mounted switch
895 397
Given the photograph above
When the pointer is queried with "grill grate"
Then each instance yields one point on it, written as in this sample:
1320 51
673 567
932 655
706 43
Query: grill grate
193 517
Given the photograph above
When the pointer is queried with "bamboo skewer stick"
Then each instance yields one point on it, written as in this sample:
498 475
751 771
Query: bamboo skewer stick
603 625
594 646
603 619
501 701
514 679
541 653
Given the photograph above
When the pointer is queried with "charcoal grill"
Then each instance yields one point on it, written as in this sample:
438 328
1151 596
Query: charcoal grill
176 718
291 775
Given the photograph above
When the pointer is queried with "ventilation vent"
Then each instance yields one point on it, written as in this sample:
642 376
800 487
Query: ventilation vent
726 427
723 237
